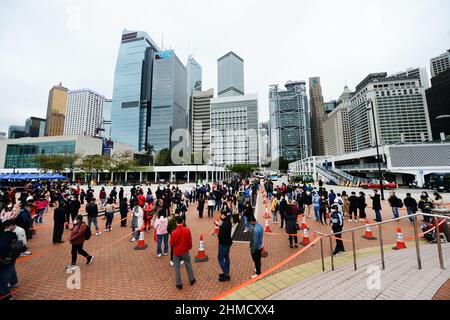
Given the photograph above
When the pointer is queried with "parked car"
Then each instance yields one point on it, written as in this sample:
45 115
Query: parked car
375 184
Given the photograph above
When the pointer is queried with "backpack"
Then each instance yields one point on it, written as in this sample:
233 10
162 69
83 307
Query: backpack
87 233
400 203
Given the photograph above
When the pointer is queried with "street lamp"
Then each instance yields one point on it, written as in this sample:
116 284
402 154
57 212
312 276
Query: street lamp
370 107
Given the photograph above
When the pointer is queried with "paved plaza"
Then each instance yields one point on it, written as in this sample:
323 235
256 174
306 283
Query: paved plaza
119 272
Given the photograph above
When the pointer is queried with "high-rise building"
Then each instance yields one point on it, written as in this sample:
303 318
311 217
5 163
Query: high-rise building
34 127
200 121
438 99
132 95
106 126
440 63
56 110
16 132
230 69
401 112
317 116
84 115
194 75
336 127
329 106
234 130
169 99
418 73
290 122
2 135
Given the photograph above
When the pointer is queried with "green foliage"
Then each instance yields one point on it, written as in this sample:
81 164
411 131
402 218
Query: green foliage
242 169
93 163
163 158
56 162
120 162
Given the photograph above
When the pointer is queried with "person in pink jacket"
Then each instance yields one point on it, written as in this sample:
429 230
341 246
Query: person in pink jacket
41 204
161 233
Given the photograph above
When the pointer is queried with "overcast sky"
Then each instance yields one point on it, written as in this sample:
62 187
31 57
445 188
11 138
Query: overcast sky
43 42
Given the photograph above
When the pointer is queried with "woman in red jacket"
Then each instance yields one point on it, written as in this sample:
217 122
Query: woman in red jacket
148 215
77 238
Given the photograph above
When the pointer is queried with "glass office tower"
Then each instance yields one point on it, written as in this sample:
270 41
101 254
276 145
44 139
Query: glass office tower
132 95
169 99
290 122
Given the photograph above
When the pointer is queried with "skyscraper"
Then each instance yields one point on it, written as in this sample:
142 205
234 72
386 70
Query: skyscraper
16 132
84 115
56 110
317 116
234 130
401 112
132 95
289 121
34 127
336 127
106 126
418 73
194 75
230 75
440 63
200 121
169 99
438 99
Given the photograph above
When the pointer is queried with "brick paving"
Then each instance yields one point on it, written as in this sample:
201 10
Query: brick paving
444 292
119 272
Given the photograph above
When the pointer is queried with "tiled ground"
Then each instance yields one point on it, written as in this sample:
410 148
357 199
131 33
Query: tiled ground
119 272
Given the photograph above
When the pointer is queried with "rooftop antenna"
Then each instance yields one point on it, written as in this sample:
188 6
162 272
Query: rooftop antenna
162 41
193 54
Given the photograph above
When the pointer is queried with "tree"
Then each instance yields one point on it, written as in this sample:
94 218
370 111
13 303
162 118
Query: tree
56 162
93 164
242 169
120 162
163 158
150 153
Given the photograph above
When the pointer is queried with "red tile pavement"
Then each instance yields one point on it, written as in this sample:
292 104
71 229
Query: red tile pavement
119 272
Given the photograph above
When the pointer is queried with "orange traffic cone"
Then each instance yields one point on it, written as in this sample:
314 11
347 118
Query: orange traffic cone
267 227
400 242
201 256
304 226
216 228
306 240
368 234
141 243
264 253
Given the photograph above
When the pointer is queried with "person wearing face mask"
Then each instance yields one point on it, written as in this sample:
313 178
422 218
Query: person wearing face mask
337 222
248 213
77 238
307 201
225 243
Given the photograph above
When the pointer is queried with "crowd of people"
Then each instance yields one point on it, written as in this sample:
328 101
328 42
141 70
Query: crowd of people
165 212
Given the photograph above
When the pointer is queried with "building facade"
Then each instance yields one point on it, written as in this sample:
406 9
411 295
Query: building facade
106 125
230 70
438 99
290 122
401 112
132 93
440 63
3 135
169 99
56 110
329 106
84 115
20 153
317 116
34 127
418 73
234 127
16 132
200 121
337 128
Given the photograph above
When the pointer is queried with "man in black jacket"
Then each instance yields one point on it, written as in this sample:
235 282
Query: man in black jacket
225 243
353 207
376 206
411 206
92 213
283 206
59 219
8 275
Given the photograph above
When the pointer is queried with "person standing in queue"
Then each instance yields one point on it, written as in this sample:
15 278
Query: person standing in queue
181 242
353 207
256 244
123 208
92 213
225 243
59 219
337 222
376 206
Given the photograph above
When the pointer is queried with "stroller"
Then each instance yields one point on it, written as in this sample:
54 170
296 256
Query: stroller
429 236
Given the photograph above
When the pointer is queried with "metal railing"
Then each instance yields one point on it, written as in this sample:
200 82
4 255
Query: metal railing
327 175
379 224
361 166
